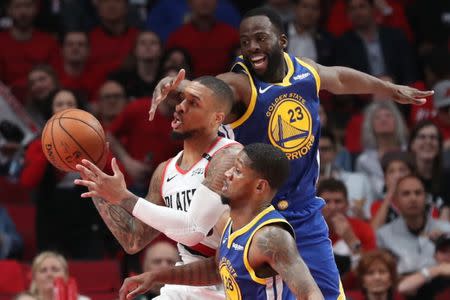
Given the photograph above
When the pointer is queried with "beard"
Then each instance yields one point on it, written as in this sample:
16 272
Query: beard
181 136
225 200
275 59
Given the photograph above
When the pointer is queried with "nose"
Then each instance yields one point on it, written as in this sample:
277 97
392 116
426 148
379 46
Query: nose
229 173
181 107
254 46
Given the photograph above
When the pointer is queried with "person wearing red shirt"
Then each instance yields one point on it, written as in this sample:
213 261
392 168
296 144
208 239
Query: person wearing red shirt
211 43
22 46
349 236
73 69
113 40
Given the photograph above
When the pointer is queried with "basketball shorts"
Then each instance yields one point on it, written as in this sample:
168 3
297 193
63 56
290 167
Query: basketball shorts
184 292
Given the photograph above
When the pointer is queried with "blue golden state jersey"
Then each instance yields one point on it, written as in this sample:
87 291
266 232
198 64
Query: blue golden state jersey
239 279
285 115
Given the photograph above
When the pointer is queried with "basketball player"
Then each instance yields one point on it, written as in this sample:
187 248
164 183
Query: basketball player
258 257
276 102
182 202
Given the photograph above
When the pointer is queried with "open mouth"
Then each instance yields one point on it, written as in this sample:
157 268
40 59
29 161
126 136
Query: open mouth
259 62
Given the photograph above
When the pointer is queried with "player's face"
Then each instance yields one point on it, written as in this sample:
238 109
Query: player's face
261 45
41 84
240 181
410 197
195 114
76 47
148 46
425 145
49 269
63 100
335 203
22 13
377 279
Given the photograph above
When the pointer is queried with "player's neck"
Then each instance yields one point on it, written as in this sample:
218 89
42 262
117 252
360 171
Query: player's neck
21 34
194 148
243 215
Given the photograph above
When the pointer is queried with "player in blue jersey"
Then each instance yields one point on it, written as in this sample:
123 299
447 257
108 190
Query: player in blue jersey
277 103
257 257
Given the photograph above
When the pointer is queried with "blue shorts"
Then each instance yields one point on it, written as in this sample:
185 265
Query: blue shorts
311 232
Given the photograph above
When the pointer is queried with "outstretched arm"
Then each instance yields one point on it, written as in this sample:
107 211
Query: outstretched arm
132 234
343 80
275 246
199 273
192 226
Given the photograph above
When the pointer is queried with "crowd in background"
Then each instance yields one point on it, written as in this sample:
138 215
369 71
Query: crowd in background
385 168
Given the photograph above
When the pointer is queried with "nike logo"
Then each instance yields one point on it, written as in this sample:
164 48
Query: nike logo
170 178
262 91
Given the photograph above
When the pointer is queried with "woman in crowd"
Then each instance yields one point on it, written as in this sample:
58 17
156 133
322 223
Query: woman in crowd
46 267
426 145
384 130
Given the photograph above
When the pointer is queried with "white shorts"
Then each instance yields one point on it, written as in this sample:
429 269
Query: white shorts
185 292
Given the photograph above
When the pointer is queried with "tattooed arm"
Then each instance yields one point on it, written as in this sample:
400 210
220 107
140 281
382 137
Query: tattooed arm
192 226
276 247
200 273
132 234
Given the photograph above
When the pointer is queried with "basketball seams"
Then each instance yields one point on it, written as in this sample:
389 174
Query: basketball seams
56 148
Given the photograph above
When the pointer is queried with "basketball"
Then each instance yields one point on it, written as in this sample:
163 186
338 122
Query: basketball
72 135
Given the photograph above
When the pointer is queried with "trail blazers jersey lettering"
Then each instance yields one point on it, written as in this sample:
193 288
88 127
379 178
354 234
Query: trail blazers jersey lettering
178 188
239 279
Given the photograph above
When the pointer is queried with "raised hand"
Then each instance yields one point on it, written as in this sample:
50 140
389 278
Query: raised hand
164 87
110 188
136 285
407 95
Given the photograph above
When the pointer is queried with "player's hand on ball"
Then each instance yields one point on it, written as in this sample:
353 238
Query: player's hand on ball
163 89
101 185
137 285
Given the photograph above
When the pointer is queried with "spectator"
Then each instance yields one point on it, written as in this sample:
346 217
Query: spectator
429 282
426 145
168 15
11 244
360 194
113 33
430 24
210 43
23 46
173 60
377 50
73 69
46 267
161 254
112 100
59 225
410 236
25 296
377 275
395 165
442 106
306 37
42 82
140 71
383 130
350 236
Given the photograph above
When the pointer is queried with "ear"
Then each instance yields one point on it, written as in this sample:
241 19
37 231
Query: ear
283 41
262 186
219 118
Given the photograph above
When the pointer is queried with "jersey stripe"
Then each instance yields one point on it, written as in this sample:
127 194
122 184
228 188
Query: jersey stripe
313 71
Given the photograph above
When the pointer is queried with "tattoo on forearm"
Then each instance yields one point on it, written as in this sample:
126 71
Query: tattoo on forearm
199 273
221 162
279 247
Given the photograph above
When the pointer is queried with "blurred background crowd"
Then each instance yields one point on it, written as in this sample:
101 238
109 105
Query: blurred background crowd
385 168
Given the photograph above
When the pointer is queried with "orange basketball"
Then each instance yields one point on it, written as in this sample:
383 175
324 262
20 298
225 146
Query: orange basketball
72 135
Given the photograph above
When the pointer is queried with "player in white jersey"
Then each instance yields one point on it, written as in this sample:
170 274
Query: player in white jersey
182 201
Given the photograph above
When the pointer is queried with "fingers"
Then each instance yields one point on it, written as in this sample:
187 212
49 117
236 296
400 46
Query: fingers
180 77
423 93
115 167
85 172
93 168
